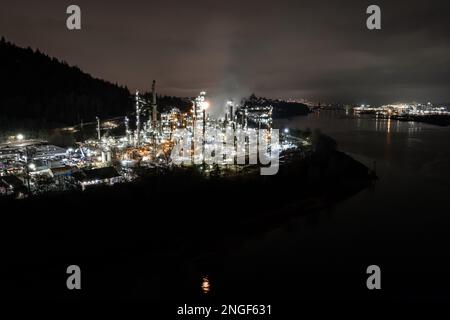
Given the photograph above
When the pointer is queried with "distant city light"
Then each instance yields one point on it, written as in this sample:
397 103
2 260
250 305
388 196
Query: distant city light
32 166
405 109
286 130
20 137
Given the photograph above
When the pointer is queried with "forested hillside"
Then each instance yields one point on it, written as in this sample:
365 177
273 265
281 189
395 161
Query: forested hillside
38 92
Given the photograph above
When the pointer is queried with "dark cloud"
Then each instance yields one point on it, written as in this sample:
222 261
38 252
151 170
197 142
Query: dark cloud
319 50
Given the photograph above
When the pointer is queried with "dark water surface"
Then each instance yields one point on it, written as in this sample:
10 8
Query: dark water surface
402 224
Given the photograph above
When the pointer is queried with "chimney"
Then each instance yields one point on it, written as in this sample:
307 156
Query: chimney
154 111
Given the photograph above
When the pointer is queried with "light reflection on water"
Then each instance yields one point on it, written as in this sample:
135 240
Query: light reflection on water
206 285
413 164
392 141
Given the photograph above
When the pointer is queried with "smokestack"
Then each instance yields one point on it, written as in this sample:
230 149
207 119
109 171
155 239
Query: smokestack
245 119
204 131
127 125
204 122
138 119
127 129
98 128
154 111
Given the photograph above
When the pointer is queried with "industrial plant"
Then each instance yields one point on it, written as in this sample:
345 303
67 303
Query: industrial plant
149 140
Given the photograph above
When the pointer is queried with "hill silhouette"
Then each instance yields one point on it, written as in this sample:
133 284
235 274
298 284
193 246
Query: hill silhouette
281 108
38 91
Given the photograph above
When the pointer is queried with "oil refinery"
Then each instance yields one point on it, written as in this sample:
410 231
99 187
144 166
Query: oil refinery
150 140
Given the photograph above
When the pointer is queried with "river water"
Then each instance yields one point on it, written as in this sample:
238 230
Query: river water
402 224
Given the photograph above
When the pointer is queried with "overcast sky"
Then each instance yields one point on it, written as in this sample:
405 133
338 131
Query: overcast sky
319 50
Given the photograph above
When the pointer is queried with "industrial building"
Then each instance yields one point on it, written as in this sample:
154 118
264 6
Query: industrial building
103 176
12 186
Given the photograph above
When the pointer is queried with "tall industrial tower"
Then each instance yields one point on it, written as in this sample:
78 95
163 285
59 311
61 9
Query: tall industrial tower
127 129
98 129
199 112
154 109
138 120
199 120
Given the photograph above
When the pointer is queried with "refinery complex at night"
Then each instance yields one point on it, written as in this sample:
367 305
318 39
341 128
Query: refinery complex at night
288 154
149 140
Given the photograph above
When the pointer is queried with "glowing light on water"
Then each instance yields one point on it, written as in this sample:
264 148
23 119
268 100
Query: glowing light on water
206 285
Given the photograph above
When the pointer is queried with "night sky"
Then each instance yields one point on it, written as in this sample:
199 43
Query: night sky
319 50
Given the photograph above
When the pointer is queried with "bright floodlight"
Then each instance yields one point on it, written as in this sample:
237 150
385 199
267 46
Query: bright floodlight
32 166
286 130
20 137
205 105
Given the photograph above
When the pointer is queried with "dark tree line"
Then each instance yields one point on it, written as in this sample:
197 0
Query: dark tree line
165 103
281 108
44 92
